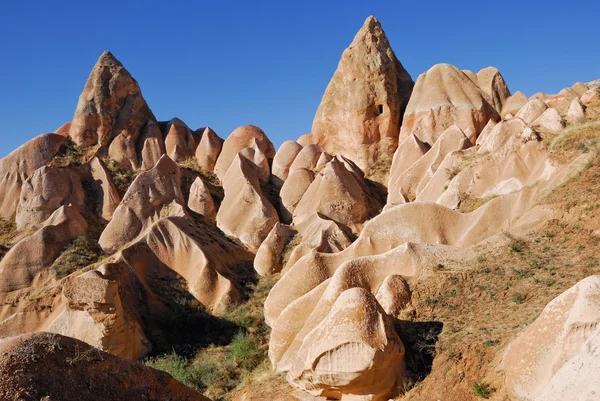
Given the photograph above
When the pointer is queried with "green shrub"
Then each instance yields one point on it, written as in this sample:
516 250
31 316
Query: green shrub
483 390
121 177
245 352
178 367
68 155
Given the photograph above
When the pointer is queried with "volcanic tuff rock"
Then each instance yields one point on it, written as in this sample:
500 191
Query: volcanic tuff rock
445 96
20 164
361 111
559 349
111 109
180 143
147 199
45 366
285 156
200 200
208 149
240 138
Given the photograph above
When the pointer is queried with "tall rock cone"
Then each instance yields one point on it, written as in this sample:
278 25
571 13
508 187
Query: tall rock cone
361 111
111 108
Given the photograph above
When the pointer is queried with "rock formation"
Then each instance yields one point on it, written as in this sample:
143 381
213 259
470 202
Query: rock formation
111 110
361 111
45 366
200 200
240 138
444 96
208 149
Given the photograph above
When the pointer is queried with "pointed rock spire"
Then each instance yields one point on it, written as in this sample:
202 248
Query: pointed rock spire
110 105
361 111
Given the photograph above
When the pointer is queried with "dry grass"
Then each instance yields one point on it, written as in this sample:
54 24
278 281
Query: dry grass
573 141
485 303
8 232
69 154
81 252
121 177
469 203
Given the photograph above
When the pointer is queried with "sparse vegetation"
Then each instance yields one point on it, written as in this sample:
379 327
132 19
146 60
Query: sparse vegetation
121 177
8 231
81 252
483 390
68 155
452 172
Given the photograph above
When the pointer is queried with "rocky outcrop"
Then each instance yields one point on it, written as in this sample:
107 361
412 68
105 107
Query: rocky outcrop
240 138
44 366
269 255
542 362
492 84
444 96
201 201
361 111
151 146
20 164
107 196
208 149
513 104
285 156
46 190
292 191
111 108
33 255
245 213
147 199
353 354
337 194
180 143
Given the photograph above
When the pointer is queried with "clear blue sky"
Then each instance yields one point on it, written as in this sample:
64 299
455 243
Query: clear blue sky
231 63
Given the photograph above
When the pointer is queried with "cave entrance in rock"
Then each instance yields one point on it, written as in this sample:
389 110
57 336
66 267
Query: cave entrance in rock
379 109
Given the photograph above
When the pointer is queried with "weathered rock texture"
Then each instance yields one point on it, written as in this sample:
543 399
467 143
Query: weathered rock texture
445 96
361 111
111 110
44 366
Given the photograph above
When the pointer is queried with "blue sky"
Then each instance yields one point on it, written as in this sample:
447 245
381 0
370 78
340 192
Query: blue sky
231 63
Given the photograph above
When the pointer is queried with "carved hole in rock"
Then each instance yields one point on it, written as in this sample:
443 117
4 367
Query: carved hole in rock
379 109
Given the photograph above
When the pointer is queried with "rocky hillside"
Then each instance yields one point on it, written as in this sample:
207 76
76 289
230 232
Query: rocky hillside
429 239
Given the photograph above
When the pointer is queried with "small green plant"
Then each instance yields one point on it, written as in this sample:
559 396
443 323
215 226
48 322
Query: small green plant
81 252
122 177
177 366
481 258
490 343
518 298
245 351
68 155
483 390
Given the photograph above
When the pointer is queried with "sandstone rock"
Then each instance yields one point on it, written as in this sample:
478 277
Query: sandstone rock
361 111
513 104
44 366
337 194
307 158
532 110
580 88
442 97
558 334
549 122
293 190
110 106
591 96
503 133
414 179
562 100
180 142
576 113
202 258
151 146
408 152
269 254
96 312
45 191
285 156
245 213
258 161
108 198
19 165
240 138
492 84
354 353
143 204
33 255
201 201
208 149
393 295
